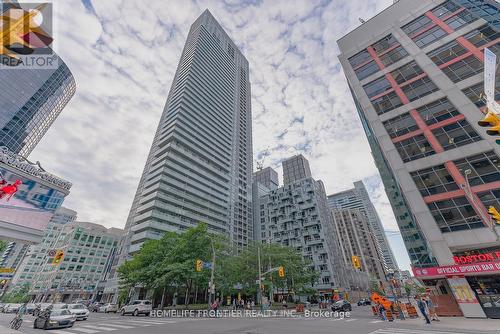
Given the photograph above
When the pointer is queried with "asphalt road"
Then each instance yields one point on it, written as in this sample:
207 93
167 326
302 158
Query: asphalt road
360 322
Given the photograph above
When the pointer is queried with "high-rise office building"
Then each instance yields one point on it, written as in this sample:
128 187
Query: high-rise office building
295 168
358 198
267 177
356 239
416 75
30 101
199 168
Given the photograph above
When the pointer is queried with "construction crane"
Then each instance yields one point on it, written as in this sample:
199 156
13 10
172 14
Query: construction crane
260 164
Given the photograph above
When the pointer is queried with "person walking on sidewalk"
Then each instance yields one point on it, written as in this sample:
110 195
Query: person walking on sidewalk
432 309
381 311
421 306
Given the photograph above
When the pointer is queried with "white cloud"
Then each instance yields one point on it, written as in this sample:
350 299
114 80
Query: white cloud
124 55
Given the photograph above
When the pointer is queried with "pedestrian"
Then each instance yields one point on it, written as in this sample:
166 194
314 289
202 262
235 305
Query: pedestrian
432 309
381 310
252 304
421 306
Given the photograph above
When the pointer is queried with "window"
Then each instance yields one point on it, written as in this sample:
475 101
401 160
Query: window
481 36
446 53
417 25
491 197
445 9
434 180
384 44
430 36
474 93
455 215
366 70
406 72
400 125
359 58
463 69
419 88
456 135
376 87
484 168
386 103
393 56
414 148
457 21
437 111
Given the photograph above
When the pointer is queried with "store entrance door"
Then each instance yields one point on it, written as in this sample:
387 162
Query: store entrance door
487 290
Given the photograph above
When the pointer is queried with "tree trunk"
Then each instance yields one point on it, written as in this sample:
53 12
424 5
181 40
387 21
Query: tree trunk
163 297
196 294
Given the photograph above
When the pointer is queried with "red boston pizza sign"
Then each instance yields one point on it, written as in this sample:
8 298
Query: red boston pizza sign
483 257
459 269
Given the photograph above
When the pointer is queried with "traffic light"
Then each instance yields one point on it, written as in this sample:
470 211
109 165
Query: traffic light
281 271
494 214
199 265
355 262
491 120
58 257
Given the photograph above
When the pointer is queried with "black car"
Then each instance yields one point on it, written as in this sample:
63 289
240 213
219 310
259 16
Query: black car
363 302
341 305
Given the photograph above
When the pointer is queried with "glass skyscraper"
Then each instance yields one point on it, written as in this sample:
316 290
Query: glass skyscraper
30 101
200 163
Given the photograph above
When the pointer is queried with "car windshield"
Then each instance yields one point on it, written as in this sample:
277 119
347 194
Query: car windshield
59 312
77 307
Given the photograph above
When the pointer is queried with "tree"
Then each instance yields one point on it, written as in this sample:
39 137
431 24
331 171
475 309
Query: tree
3 245
19 295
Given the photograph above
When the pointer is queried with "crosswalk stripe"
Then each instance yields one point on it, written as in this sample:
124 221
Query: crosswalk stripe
376 321
118 326
101 328
412 331
84 330
335 319
156 322
59 331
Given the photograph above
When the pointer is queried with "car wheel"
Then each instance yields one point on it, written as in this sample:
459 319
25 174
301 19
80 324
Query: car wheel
136 313
147 314
122 312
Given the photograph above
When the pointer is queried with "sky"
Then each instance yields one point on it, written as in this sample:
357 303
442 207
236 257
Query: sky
124 53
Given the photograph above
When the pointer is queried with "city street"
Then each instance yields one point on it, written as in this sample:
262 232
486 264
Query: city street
360 322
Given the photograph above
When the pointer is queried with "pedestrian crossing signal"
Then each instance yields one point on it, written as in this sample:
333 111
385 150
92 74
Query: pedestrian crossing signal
281 271
494 214
58 257
199 265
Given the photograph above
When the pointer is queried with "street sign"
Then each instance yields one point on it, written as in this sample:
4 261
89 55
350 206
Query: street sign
490 64
52 253
7 270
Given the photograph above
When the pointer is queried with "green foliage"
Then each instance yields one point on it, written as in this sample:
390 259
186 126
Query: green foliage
375 287
19 295
170 263
3 245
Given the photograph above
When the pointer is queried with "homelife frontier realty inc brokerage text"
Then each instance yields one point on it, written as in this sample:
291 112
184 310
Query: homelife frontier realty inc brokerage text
248 314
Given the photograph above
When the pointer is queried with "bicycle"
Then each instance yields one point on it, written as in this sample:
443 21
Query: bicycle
16 322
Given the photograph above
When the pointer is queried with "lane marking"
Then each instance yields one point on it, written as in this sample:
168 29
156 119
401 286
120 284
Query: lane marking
101 328
118 326
351 320
84 330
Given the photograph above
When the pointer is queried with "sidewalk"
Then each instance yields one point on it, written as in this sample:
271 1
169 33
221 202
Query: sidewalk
461 323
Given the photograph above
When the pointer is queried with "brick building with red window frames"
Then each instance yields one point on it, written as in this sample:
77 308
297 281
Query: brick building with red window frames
415 71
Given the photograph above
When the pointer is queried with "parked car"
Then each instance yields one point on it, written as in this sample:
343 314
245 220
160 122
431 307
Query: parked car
12 308
363 302
59 318
109 307
81 312
95 306
341 305
137 307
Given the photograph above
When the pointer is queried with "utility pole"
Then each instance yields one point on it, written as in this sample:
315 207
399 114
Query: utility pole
211 285
260 278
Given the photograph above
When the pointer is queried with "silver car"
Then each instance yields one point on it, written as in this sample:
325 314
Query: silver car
59 318
81 312
109 307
